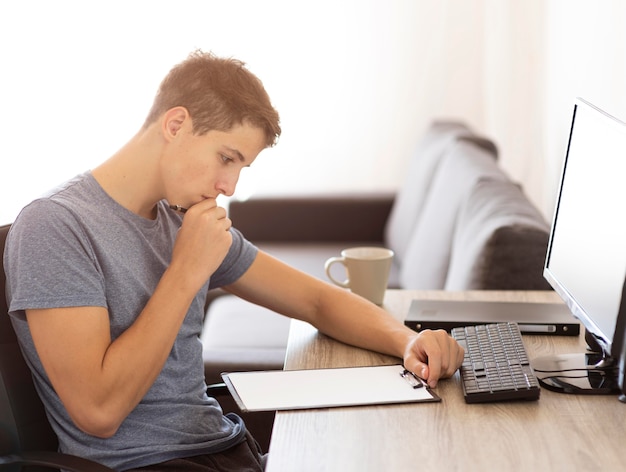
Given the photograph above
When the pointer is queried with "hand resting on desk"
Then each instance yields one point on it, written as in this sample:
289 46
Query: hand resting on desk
432 356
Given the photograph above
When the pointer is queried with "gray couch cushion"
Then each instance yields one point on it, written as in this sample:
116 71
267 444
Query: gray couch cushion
500 241
425 265
410 198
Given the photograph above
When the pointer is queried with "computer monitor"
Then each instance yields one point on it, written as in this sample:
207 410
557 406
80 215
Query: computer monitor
586 258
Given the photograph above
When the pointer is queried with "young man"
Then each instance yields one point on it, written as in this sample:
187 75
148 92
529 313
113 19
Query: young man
107 277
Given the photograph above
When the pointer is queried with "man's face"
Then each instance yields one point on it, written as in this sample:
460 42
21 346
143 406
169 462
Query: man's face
201 167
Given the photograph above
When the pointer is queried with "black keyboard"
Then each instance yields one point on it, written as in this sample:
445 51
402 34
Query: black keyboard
496 365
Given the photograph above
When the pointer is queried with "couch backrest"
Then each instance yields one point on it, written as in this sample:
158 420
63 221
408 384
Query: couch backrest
500 241
409 200
427 257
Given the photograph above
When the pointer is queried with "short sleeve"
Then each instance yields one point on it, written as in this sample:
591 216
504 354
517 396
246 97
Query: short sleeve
49 261
238 260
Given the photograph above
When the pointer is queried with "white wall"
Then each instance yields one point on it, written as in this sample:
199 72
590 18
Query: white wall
586 57
356 82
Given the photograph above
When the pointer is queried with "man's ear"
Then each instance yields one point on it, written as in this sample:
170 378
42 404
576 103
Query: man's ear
173 121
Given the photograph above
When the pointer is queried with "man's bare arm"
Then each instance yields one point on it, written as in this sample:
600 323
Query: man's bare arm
100 381
347 317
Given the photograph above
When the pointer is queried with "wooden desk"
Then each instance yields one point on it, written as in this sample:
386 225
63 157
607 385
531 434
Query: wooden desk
558 432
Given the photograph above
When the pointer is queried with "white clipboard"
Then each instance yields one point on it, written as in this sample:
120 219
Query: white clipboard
326 388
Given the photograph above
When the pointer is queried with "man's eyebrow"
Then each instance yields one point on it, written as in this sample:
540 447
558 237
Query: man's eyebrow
236 153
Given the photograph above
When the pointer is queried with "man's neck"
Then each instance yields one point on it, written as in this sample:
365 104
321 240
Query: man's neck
130 176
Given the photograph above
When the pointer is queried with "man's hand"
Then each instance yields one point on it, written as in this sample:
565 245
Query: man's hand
202 242
433 355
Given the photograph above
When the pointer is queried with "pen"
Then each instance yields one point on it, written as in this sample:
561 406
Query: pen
413 380
178 208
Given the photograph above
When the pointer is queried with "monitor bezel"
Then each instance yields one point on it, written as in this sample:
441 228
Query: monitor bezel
610 348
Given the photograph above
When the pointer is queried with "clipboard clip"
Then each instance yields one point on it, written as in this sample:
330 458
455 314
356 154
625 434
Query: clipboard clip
412 379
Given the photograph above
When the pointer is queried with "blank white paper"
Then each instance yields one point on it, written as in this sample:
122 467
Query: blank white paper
320 388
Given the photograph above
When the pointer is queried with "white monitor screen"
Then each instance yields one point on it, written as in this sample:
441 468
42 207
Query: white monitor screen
586 261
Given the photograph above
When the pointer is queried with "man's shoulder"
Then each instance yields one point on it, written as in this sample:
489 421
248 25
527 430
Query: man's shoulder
63 199
54 212
67 187
73 192
41 213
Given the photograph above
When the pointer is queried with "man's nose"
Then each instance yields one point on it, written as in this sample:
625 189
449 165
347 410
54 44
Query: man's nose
227 186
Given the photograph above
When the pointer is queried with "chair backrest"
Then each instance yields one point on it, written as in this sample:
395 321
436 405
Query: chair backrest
23 422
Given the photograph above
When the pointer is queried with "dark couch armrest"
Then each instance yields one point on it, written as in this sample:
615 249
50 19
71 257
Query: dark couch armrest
312 219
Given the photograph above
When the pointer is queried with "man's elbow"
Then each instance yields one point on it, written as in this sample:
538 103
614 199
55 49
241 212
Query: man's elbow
97 422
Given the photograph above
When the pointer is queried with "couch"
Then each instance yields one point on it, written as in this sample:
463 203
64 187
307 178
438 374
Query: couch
457 223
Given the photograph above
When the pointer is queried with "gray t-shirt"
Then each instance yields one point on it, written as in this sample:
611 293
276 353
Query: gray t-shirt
78 247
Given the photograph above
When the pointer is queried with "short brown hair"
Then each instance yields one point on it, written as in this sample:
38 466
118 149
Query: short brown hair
219 93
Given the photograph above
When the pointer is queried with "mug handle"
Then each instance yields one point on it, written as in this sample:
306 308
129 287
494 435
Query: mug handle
330 262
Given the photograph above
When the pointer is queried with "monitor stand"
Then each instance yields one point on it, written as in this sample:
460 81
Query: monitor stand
580 373
590 373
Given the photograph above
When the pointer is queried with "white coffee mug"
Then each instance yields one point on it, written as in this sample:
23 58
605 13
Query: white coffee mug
367 269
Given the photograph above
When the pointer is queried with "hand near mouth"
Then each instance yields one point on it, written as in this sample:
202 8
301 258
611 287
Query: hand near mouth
202 242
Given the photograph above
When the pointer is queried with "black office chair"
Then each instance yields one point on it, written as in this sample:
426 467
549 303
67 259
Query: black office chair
26 438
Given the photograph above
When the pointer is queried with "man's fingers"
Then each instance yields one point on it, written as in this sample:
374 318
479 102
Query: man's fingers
210 207
434 355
